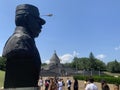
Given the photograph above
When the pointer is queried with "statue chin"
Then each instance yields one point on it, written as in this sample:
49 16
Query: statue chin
36 35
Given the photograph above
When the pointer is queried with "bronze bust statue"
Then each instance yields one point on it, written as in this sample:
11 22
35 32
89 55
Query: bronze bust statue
23 59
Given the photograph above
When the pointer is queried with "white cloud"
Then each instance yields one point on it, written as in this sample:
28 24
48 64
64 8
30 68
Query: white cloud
66 58
47 61
101 56
117 48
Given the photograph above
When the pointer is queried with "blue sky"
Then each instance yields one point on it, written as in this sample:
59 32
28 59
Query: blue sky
76 28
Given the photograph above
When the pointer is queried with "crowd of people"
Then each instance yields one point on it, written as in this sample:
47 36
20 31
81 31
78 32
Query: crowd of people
54 83
90 85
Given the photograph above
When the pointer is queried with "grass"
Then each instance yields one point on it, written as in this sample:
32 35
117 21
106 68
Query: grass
2 74
112 74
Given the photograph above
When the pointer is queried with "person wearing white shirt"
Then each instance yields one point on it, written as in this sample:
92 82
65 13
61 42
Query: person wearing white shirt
40 83
91 85
60 84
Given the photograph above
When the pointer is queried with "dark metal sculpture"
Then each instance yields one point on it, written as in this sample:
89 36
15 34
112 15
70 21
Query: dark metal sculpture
23 59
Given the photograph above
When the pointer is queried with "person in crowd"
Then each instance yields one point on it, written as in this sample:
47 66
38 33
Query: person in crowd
56 80
40 83
63 84
85 82
60 84
116 87
104 85
69 82
91 85
47 82
52 85
75 86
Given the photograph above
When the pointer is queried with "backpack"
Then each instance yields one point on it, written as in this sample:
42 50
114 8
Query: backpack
63 83
69 82
46 83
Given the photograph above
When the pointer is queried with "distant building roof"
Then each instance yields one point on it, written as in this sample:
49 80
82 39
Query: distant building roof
54 59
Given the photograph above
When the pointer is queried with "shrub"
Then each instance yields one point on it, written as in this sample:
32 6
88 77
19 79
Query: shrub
109 79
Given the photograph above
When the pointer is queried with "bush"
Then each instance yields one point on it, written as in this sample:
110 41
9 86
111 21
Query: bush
2 63
109 79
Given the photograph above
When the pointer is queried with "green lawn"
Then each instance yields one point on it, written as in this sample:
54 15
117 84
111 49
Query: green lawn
2 74
112 74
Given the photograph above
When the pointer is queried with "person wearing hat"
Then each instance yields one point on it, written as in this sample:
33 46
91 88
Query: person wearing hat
23 59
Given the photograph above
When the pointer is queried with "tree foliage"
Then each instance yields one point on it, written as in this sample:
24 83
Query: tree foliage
85 63
100 65
92 61
43 64
113 66
2 63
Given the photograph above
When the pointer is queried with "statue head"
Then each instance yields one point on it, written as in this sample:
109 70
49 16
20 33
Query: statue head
28 16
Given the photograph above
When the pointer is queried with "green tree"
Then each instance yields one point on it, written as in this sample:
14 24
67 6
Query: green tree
74 63
87 63
84 63
79 63
2 63
43 64
113 66
92 62
100 65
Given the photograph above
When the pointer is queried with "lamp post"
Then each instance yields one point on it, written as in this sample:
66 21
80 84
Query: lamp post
91 72
99 70
76 66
